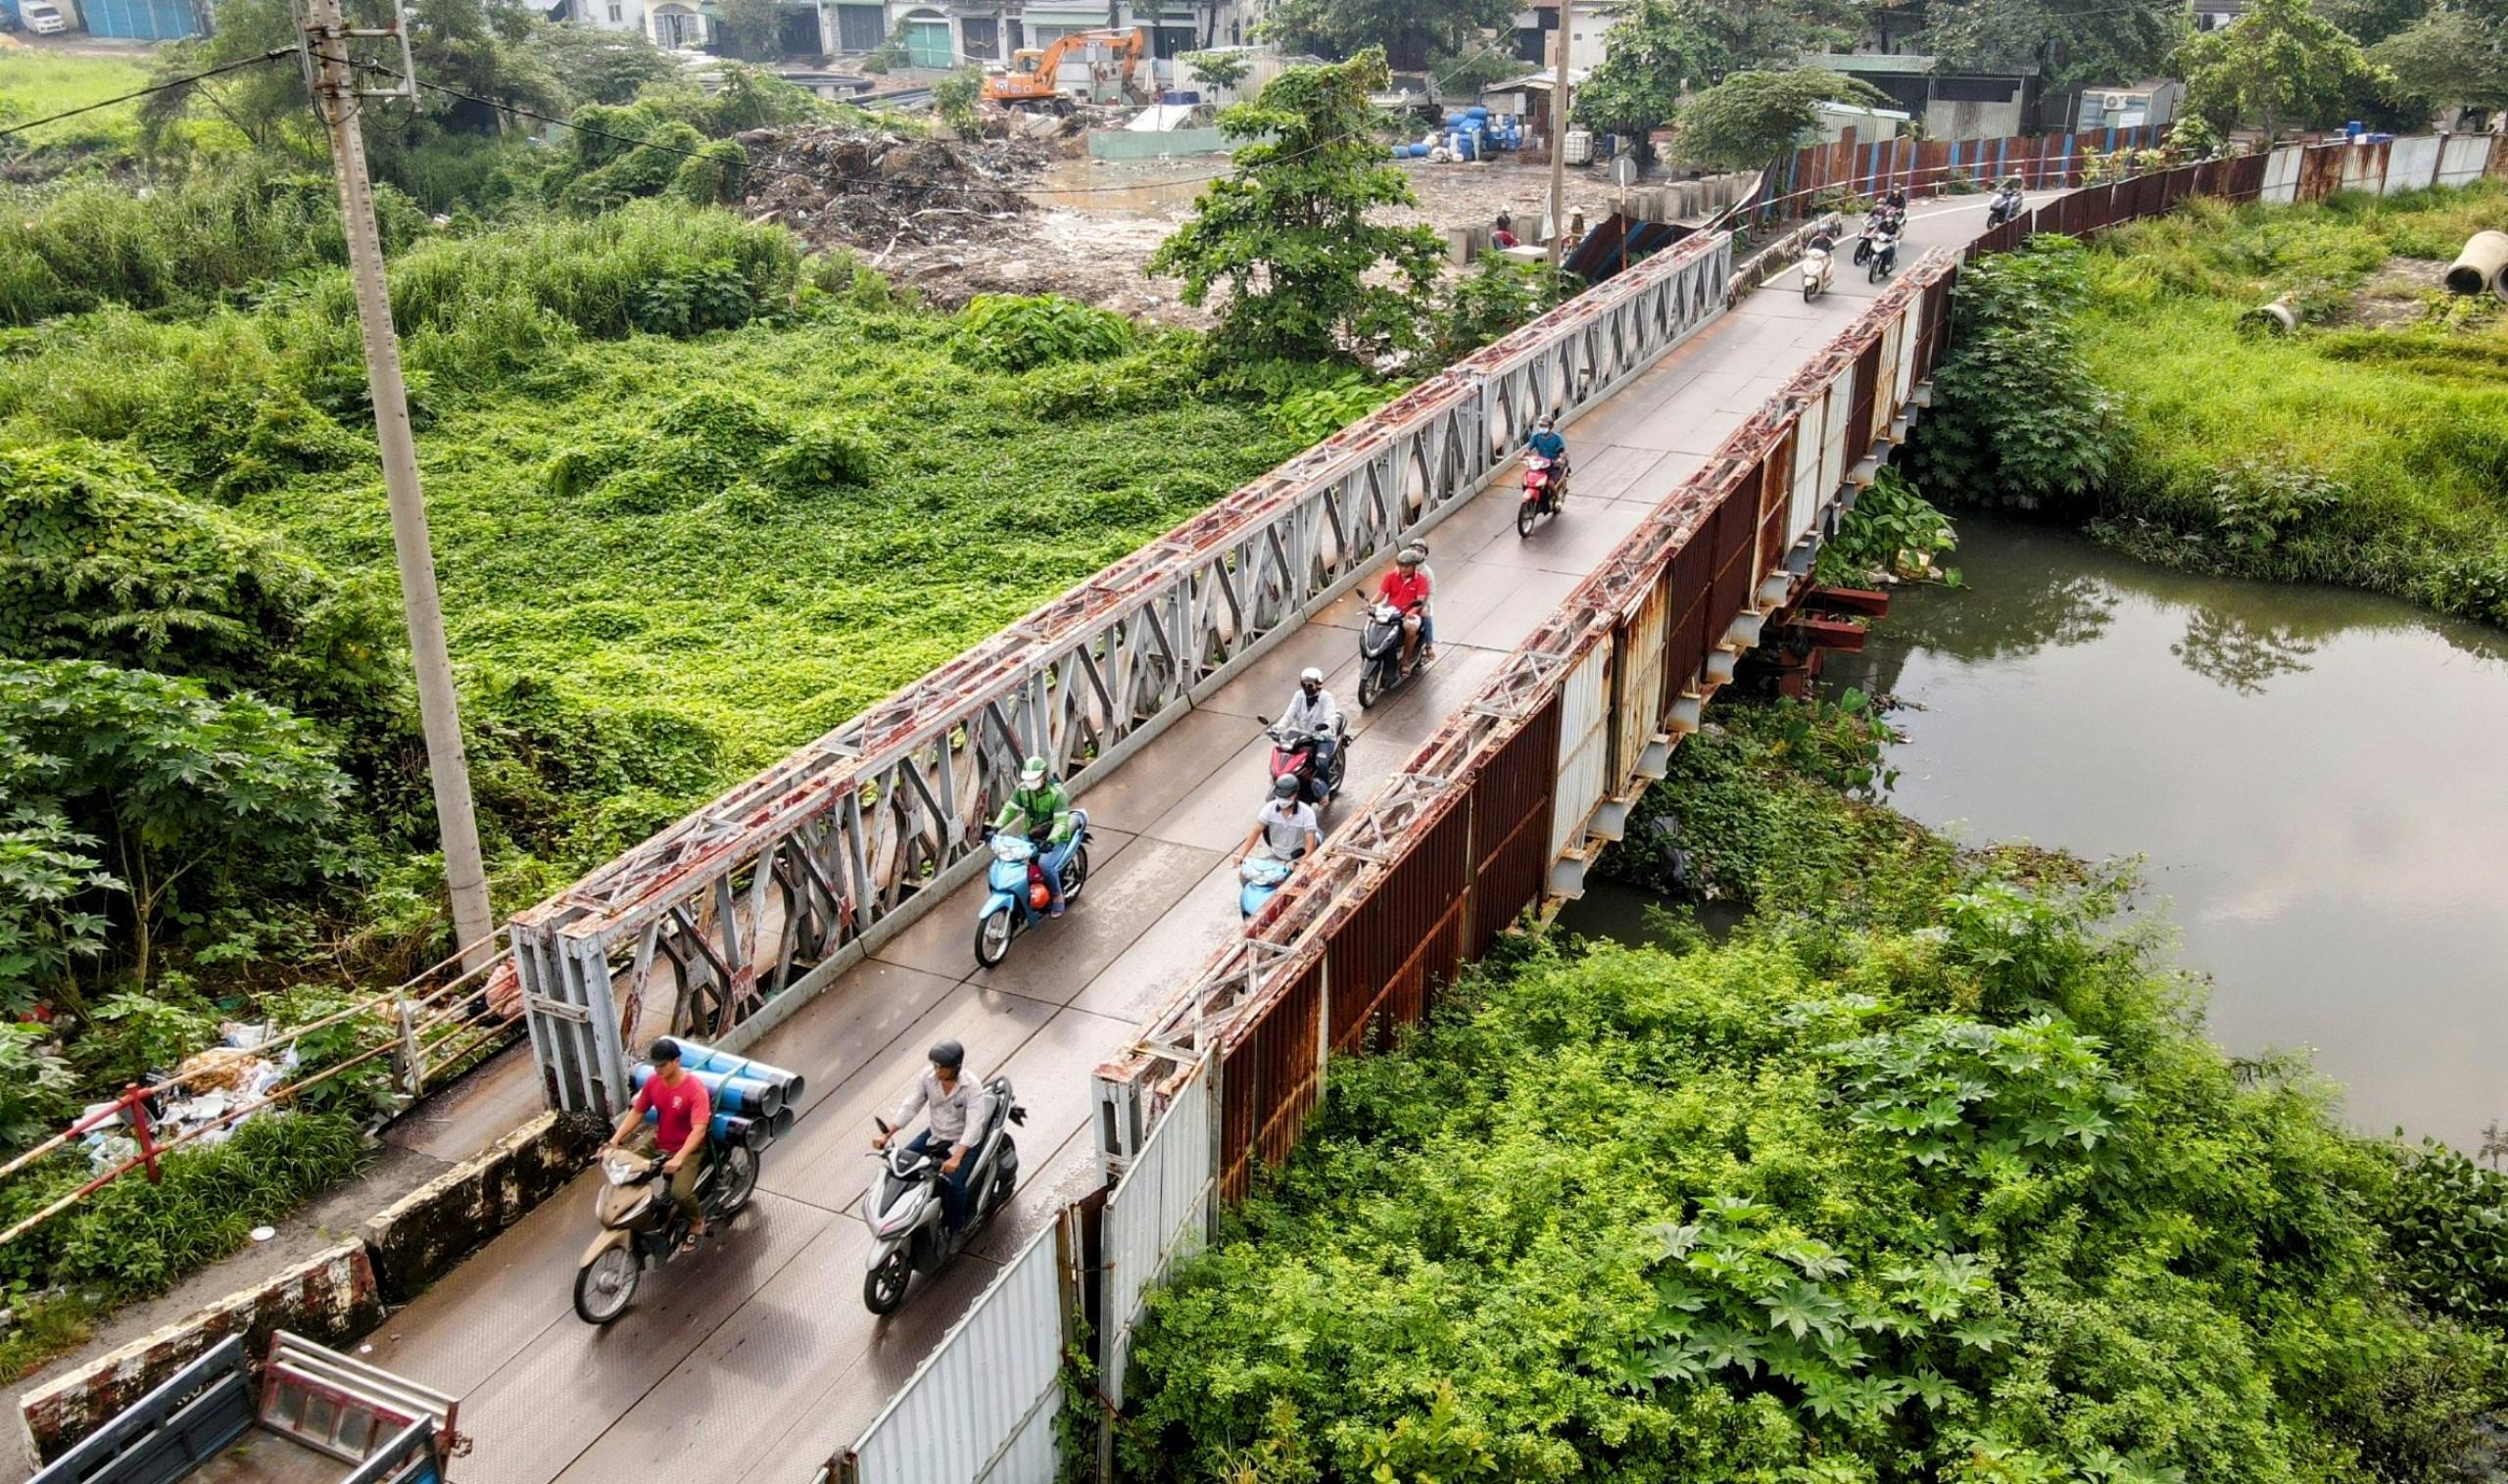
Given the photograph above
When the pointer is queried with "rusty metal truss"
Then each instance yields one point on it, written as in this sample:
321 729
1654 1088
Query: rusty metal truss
1247 975
743 909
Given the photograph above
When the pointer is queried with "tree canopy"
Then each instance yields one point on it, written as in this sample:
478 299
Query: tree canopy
2454 57
2278 66
1308 275
2072 41
1412 33
1750 118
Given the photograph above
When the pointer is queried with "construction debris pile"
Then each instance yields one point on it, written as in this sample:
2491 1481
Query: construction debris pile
873 190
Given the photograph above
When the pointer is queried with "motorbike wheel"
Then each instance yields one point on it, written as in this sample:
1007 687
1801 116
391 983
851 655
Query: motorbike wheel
1075 875
884 1286
1371 685
1810 287
1863 254
1876 272
738 1182
606 1285
1525 512
992 939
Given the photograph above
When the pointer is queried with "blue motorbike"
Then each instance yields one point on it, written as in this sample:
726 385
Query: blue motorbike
1263 876
1018 875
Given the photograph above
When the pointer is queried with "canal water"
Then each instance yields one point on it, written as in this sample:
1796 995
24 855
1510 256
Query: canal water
2318 781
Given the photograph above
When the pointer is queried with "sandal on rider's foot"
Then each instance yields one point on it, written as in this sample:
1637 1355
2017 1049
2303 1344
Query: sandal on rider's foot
689 1243
1056 912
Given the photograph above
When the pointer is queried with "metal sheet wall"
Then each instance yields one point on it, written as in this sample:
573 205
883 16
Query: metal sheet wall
1510 827
2463 158
982 1405
1637 679
1731 548
1804 448
1775 477
1833 439
1584 746
1271 1082
1861 411
1910 343
1158 1215
1387 956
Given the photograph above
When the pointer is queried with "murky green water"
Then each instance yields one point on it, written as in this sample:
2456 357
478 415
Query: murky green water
2319 780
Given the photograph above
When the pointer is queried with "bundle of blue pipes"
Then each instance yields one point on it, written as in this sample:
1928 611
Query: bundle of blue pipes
753 1102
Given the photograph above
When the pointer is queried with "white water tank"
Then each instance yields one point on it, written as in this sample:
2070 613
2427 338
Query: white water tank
1580 146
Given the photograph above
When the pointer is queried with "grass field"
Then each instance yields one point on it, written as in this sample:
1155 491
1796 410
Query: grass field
37 84
2370 448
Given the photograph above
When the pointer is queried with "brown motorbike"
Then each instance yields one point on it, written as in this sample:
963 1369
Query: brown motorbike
641 1228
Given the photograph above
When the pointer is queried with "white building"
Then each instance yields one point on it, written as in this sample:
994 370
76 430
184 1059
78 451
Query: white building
939 34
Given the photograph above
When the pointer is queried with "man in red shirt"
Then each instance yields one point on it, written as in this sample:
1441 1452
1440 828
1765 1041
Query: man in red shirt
1407 588
683 1116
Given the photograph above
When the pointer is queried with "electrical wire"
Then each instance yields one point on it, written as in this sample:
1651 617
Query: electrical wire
273 55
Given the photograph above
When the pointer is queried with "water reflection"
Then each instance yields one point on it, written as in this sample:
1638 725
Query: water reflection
2315 776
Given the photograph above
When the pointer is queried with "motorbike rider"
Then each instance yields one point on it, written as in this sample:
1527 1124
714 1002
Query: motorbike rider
1042 806
2007 201
1550 443
961 1112
1503 235
1313 712
1407 589
684 1115
1285 827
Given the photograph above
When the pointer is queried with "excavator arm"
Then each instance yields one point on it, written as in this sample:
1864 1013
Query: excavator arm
1036 74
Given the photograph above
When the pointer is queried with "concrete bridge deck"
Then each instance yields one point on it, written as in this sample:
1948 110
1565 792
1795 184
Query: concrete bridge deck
755 1359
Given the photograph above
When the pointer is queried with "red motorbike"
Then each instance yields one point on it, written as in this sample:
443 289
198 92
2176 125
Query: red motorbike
1545 491
1294 756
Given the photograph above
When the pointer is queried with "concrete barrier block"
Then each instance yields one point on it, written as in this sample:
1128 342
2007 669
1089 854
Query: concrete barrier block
329 1299
420 1237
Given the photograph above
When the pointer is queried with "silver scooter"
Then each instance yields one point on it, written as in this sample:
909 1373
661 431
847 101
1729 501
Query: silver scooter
903 1207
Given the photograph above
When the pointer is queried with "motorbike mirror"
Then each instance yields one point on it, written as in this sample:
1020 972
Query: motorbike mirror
880 1122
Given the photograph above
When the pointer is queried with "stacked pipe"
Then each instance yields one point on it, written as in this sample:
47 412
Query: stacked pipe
755 1104
2483 264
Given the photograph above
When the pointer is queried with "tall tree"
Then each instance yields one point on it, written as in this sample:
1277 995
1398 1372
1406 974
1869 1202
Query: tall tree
1410 33
1309 275
2071 42
2277 64
1659 47
2452 58
1750 118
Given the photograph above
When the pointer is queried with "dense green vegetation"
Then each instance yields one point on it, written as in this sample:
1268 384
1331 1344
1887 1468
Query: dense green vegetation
1926 1172
2117 386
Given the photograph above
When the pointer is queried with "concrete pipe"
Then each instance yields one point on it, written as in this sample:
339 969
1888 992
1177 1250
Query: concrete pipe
2483 264
2280 317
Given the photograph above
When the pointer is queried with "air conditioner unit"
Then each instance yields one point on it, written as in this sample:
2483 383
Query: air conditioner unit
2116 103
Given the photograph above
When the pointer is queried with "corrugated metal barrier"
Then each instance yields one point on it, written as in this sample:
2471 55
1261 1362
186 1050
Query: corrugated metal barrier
981 1407
1159 1214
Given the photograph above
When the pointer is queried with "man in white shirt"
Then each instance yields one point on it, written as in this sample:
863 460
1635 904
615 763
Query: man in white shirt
1313 712
961 1112
1284 829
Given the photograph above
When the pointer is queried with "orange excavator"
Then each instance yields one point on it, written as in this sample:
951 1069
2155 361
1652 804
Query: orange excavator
1034 75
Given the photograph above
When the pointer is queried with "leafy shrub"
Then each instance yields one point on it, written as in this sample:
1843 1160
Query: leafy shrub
2446 1220
133 1033
1804 1206
1008 332
132 1238
362 1091
180 243
1490 302
1320 410
100 560
49 884
35 1086
2018 419
1893 532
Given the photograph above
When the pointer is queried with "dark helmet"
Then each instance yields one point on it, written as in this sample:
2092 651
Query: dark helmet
1286 785
950 1056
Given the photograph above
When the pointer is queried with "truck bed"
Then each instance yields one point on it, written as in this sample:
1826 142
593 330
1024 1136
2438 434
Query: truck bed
265 1457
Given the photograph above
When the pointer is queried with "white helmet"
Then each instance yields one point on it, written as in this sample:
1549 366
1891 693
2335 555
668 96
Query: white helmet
1310 676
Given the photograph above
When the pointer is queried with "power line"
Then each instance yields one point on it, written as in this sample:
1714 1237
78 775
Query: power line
273 55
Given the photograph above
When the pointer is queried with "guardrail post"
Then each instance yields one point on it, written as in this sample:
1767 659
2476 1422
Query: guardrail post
412 1056
139 1102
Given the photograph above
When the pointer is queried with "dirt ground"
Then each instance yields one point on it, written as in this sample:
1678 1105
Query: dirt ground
1087 228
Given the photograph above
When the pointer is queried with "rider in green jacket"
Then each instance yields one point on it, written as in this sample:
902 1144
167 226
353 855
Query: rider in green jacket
1040 808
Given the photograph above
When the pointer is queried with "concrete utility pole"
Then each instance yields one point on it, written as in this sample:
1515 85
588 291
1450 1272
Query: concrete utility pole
1558 138
335 89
